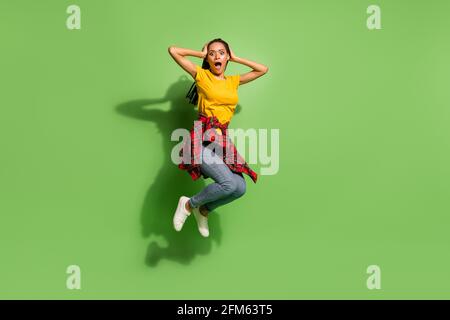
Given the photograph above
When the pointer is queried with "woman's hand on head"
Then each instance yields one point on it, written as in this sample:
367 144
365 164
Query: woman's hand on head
205 50
232 55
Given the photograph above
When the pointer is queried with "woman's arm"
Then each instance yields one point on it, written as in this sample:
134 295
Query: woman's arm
179 55
258 69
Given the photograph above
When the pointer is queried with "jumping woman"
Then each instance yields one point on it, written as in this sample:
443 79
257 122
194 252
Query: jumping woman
216 96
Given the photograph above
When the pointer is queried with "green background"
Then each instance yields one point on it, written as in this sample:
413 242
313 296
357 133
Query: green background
86 176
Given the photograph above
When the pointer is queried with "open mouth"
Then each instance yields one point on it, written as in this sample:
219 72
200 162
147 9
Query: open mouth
218 65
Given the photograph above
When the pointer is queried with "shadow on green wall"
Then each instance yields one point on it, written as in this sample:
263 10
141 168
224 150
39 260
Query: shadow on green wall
170 183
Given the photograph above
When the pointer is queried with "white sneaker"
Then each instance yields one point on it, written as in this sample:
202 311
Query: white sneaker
181 213
202 222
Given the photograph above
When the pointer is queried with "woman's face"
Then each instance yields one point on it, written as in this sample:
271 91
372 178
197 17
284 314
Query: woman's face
217 57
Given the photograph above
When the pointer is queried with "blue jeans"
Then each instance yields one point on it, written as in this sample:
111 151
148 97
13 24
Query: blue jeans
228 185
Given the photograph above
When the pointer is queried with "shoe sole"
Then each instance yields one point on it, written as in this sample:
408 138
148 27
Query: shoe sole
198 228
180 202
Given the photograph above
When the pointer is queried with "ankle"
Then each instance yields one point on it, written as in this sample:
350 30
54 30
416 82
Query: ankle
203 211
188 207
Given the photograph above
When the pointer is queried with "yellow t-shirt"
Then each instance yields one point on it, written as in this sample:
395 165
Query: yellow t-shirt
216 97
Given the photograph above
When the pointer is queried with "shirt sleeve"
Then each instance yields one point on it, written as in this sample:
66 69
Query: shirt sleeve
199 75
237 79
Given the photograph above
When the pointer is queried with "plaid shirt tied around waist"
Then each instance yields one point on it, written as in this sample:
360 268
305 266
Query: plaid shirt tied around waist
230 155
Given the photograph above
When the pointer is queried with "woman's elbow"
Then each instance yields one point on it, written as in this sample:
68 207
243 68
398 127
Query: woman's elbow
172 50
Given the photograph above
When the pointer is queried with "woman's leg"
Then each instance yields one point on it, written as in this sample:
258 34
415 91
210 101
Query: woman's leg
239 192
225 184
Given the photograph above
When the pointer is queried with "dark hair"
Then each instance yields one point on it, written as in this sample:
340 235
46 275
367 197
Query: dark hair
192 94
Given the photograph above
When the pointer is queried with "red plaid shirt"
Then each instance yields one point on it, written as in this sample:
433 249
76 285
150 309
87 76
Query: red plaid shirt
237 163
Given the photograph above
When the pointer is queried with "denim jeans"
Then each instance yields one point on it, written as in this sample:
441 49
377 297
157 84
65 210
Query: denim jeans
228 185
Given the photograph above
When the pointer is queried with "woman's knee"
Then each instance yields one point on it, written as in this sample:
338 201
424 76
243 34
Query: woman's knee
229 185
241 186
